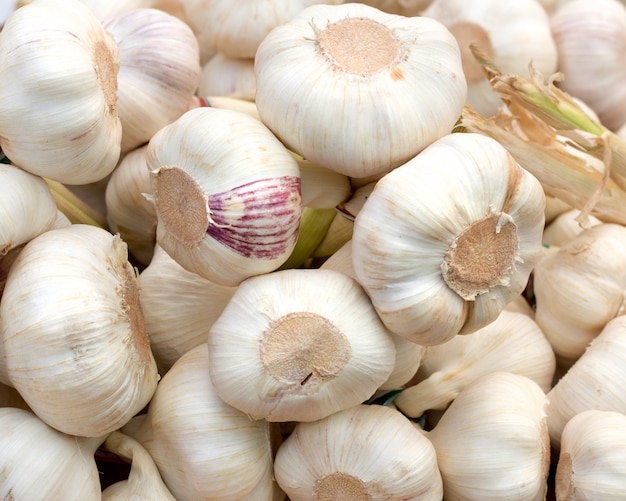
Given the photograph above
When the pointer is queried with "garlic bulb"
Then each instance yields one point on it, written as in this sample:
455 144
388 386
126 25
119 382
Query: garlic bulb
179 307
365 91
226 193
203 448
228 76
144 480
589 39
298 345
512 35
159 71
592 459
72 293
513 342
579 288
492 442
364 452
565 227
595 381
409 355
128 211
237 33
58 92
40 463
27 207
466 233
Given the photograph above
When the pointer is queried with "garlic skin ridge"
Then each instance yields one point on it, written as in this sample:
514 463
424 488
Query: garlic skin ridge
334 95
58 87
227 194
460 203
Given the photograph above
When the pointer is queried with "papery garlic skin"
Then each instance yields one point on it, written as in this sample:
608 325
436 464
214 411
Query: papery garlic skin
227 195
237 33
39 463
179 307
589 39
159 71
129 211
346 110
595 381
27 207
512 35
298 345
364 452
58 92
513 342
592 459
204 448
492 441
580 287
446 240
72 293
144 481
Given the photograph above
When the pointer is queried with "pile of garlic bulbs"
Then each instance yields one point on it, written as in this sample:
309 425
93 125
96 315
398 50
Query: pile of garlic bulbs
311 251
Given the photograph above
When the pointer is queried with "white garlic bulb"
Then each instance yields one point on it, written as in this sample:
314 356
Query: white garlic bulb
144 480
39 463
238 32
72 293
227 194
364 452
595 381
513 342
228 76
358 90
589 39
565 226
580 287
592 459
159 71
27 207
513 34
58 92
492 442
129 212
446 240
179 307
204 448
298 345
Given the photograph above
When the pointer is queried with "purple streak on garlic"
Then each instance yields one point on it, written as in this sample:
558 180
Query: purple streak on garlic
257 219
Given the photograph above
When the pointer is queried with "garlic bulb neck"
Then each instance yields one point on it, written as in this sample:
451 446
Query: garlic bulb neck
304 348
360 46
482 256
339 485
467 32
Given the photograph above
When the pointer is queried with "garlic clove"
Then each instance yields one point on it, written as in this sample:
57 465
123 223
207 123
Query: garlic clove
461 203
595 381
58 92
334 96
592 457
363 452
144 480
204 448
159 71
40 463
226 193
513 342
492 441
298 345
72 293
129 211
179 307
579 288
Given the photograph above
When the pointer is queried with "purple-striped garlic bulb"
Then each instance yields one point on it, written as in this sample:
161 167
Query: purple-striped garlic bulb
227 195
